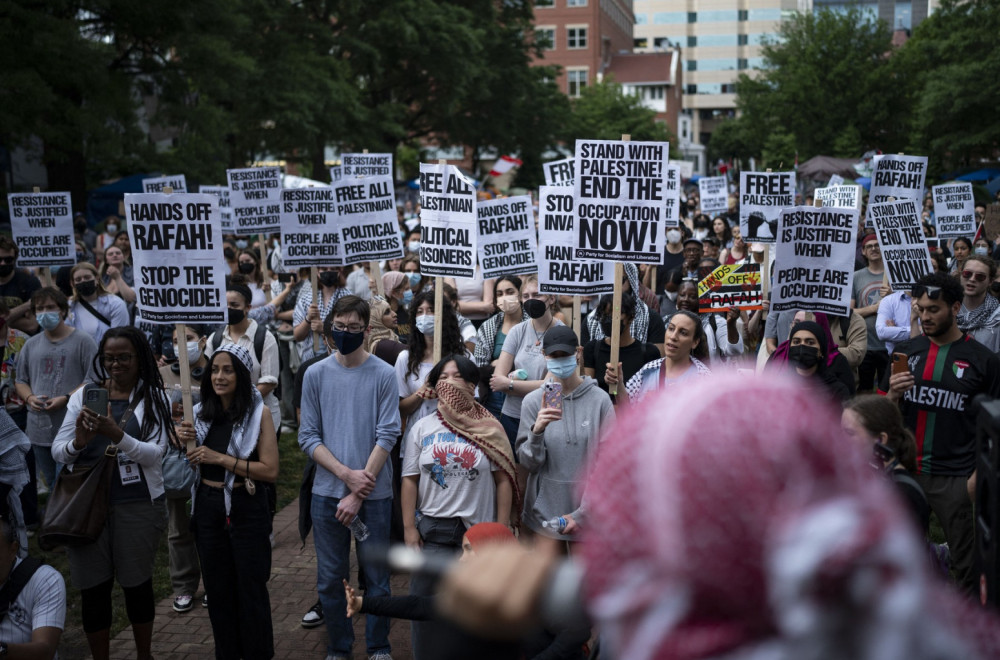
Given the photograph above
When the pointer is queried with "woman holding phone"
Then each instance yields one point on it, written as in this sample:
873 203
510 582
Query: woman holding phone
134 427
559 429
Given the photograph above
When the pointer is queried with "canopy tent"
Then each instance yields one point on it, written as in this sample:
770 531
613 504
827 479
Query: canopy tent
987 174
821 168
103 201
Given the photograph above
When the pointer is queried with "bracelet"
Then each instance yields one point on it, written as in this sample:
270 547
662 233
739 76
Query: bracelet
71 450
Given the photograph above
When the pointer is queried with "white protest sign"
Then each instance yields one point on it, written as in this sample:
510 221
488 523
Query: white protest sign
176 182
835 180
672 215
309 232
840 197
814 262
180 275
762 197
686 168
558 271
42 225
954 210
355 166
620 193
897 176
714 194
901 238
560 172
255 195
336 173
506 238
367 218
447 222
225 205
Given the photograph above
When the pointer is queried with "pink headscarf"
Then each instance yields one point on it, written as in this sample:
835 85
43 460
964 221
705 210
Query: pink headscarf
391 282
771 534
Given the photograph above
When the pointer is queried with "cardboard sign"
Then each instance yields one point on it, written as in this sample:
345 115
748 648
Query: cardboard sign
835 180
356 166
309 232
991 223
840 197
814 262
255 194
731 285
367 218
898 177
954 210
713 191
901 238
225 205
558 271
686 168
180 275
42 226
176 182
447 222
620 193
762 197
336 173
506 236
560 172
672 215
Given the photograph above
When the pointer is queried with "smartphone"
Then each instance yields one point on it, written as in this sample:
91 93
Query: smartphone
96 400
286 277
899 363
552 395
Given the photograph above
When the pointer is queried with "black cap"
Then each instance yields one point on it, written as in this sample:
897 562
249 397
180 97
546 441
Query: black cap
559 338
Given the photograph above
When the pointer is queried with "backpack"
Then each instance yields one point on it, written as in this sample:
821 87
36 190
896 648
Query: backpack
258 341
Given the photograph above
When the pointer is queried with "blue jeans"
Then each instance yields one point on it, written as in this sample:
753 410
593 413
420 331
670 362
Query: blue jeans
333 564
510 426
45 465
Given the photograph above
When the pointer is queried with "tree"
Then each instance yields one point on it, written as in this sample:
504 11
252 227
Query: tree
604 112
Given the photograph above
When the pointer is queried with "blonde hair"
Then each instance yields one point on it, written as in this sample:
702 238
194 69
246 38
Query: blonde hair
89 267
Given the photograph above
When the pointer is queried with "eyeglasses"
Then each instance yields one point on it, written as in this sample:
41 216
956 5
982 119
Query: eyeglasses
124 358
340 327
969 275
872 246
932 292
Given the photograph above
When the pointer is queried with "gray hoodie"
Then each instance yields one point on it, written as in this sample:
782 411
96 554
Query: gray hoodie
556 459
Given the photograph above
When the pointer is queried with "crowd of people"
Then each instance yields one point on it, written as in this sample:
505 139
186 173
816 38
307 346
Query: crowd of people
501 430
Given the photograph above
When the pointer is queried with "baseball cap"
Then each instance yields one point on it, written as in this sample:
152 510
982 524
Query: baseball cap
559 338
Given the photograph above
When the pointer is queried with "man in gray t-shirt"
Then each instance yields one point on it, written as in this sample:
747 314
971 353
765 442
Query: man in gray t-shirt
865 296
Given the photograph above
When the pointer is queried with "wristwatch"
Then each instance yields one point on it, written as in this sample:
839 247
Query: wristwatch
510 385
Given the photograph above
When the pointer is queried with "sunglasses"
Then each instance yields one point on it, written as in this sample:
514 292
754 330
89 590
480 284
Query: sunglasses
969 275
932 292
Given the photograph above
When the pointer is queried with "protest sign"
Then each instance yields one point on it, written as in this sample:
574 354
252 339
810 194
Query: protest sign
814 264
180 276
840 197
447 222
713 192
336 173
954 210
898 177
620 193
367 219
731 285
901 238
835 180
309 232
42 226
560 172
686 168
506 236
558 271
356 166
672 216
991 222
225 205
176 183
762 197
255 196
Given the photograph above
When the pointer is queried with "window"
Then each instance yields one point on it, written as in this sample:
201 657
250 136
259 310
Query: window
576 37
718 40
576 3
544 4
546 37
642 42
720 64
742 64
691 89
661 42
655 92
669 17
692 65
717 16
641 19
692 41
742 15
742 40
765 15
577 80
692 17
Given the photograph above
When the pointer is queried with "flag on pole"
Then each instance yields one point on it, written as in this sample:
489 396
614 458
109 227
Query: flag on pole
504 164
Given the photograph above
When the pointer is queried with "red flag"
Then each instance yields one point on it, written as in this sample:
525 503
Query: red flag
504 164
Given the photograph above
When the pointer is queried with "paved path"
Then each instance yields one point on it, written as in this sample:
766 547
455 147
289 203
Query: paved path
293 592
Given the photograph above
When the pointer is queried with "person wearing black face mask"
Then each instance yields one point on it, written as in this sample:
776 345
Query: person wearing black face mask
809 356
633 353
248 265
310 310
94 310
16 287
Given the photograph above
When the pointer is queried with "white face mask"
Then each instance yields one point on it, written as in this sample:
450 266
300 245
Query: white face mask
194 351
508 304
425 324
673 236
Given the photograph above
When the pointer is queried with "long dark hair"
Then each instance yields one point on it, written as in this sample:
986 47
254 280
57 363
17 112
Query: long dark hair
701 350
879 415
211 403
451 339
467 369
513 279
157 415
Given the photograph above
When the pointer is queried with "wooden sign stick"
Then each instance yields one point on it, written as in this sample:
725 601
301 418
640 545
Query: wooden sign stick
438 306
43 270
314 281
616 309
182 361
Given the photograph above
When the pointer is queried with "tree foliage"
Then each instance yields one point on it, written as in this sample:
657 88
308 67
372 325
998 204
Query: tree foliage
604 112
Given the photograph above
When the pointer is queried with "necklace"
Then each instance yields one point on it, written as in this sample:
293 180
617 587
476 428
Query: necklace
538 337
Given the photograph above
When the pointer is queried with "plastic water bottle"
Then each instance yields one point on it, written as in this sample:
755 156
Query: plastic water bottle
521 374
359 529
556 525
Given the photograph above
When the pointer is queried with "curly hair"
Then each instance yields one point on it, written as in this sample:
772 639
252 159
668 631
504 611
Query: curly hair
451 337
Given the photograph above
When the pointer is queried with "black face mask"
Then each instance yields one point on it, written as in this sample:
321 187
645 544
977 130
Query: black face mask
329 278
534 308
995 288
803 356
87 288
236 316
229 254
606 326
247 267
6 269
80 257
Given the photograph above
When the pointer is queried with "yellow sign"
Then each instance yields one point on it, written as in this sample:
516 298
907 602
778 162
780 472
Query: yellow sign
728 286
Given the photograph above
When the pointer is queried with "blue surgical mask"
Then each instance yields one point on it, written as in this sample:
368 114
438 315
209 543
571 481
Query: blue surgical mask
982 251
241 244
48 320
425 324
413 246
563 367
407 296
414 278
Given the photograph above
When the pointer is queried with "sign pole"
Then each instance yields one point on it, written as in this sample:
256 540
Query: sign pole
376 269
438 305
616 309
314 281
44 271
262 239
182 362
577 325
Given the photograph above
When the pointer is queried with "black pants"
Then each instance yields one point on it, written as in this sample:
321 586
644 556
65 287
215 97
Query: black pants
871 370
439 536
235 567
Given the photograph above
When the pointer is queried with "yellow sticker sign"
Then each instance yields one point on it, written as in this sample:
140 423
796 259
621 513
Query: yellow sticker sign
728 286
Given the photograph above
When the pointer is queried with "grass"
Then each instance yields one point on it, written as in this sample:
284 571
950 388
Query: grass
74 643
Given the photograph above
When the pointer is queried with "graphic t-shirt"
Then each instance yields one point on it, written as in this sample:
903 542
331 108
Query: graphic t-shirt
456 479
865 293
938 408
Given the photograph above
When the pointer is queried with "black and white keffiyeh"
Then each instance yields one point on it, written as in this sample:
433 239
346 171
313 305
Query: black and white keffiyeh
486 336
640 324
